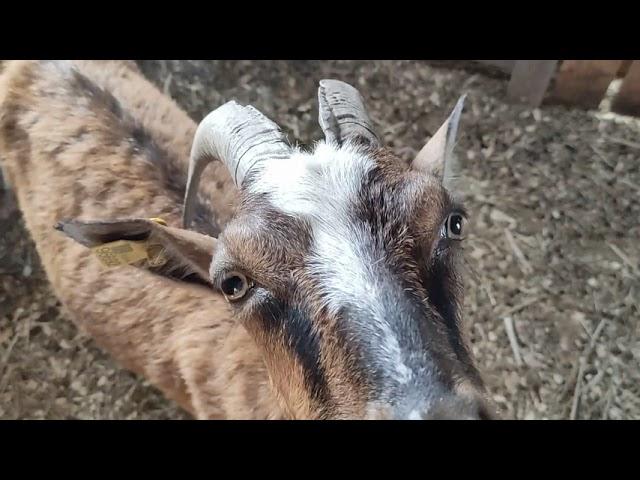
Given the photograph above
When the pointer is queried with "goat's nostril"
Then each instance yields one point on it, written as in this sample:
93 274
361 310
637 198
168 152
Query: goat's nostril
485 412
459 409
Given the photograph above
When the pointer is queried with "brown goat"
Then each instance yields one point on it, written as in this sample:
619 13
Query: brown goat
338 266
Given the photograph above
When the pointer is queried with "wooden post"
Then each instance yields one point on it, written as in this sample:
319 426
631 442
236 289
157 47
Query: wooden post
627 101
529 80
624 68
583 83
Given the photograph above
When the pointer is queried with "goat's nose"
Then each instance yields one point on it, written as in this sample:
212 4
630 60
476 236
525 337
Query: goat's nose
458 409
447 408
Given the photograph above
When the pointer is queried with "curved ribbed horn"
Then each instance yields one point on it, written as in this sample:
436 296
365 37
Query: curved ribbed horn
239 136
343 115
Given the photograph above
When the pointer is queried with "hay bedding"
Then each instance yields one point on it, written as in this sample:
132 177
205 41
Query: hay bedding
552 287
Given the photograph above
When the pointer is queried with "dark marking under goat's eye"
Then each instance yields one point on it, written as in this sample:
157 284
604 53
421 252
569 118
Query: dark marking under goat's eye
300 334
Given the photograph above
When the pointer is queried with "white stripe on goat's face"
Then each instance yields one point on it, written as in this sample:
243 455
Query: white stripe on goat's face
360 303
321 188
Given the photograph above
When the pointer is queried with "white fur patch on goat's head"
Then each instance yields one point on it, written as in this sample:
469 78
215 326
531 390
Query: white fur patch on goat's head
314 185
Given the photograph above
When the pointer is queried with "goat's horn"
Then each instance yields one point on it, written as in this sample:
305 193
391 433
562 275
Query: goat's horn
241 137
342 114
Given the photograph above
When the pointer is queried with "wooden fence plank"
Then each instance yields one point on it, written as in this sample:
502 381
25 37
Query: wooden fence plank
583 83
624 68
529 80
627 101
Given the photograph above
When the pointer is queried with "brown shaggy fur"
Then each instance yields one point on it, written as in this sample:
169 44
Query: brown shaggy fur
68 153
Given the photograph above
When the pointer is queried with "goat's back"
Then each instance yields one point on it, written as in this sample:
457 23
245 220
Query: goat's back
95 140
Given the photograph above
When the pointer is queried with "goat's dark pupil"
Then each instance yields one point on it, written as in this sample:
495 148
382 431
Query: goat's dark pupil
456 224
232 285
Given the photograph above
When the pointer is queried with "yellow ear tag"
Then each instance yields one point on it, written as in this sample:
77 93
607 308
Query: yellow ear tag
121 252
159 221
127 252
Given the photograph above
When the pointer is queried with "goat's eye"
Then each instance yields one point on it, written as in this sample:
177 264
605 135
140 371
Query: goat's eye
235 285
453 226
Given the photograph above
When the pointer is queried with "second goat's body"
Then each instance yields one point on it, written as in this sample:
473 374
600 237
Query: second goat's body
81 139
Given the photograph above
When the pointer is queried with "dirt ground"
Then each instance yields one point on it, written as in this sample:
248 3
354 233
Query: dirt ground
553 257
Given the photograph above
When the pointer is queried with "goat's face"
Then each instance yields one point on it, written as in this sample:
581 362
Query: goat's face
342 265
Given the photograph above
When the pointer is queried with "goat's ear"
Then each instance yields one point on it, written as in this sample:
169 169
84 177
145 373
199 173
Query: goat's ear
146 244
436 157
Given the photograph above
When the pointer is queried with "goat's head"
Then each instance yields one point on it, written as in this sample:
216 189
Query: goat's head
341 263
